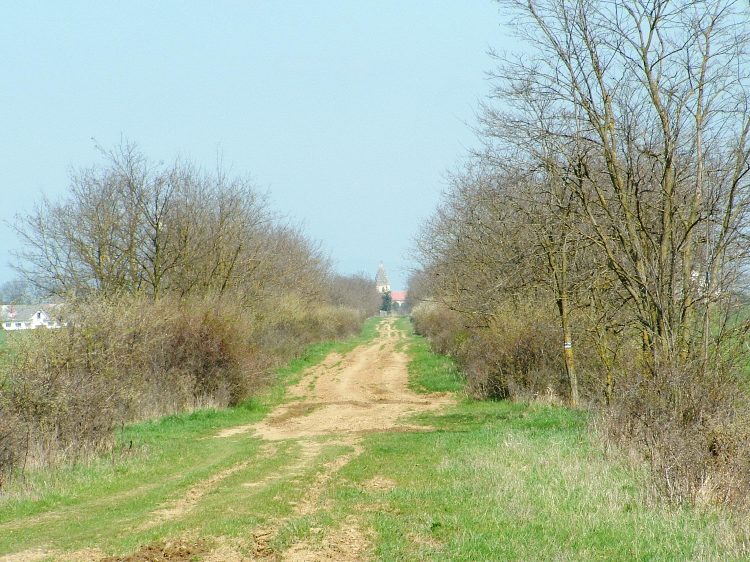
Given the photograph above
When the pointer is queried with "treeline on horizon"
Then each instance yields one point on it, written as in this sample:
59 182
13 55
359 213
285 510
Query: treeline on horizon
594 250
182 289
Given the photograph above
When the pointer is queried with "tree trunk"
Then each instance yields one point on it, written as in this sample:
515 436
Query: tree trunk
563 306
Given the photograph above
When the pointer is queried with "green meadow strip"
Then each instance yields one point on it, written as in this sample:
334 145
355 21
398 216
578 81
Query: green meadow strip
429 372
485 481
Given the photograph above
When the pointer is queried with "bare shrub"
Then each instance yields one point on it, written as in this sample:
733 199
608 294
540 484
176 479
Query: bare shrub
129 358
444 327
12 446
287 323
511 361
123 359
512 356
692 427
356 292
515 356
339 321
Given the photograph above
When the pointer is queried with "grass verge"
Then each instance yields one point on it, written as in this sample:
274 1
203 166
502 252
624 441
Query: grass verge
428 372
111 500
488 481
512 481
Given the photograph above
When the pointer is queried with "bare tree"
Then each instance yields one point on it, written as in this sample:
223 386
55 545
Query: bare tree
132 226
648 104
502 235
355 291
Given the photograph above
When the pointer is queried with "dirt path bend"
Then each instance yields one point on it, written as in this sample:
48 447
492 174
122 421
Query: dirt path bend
364 391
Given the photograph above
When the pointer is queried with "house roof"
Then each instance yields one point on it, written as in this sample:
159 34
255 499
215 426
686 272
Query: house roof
24 312
398 296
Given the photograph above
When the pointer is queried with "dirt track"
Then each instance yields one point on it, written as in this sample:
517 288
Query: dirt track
364 391
343 398
331 408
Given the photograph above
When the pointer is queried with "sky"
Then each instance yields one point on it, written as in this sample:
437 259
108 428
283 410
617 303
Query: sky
347 113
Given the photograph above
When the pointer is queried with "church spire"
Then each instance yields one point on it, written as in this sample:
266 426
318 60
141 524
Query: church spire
381 280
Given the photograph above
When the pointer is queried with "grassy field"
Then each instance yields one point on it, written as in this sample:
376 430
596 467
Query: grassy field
502 481
486 481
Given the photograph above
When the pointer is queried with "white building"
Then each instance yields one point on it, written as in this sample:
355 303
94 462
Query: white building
30 317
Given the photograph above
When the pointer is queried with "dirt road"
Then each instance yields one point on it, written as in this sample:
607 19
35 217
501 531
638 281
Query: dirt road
342 399
366 390
305 442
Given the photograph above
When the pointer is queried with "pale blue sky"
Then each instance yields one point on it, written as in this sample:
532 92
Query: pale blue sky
347 112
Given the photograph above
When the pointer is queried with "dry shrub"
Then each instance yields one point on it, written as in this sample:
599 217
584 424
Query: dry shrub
122 360
327 322
516 355
444 327
692 426
55 400
12 447
131 358
285 325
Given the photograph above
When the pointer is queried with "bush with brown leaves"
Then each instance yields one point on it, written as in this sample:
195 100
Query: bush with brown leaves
692 427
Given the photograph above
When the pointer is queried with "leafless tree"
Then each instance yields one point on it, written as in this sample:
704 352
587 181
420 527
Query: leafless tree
647 105
133 226
357 292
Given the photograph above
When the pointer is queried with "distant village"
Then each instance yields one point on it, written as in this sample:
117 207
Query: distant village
31 316
394 302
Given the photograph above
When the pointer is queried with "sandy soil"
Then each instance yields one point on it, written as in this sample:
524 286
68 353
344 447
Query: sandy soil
365 391
346 397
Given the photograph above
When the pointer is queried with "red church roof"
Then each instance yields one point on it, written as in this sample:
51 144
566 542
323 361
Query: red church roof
398 296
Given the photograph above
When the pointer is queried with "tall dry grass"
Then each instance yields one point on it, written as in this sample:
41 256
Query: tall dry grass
692 427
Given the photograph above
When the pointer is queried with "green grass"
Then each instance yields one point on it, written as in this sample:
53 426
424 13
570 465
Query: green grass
106 500
503 481
95 503
511 481
429 372
487 481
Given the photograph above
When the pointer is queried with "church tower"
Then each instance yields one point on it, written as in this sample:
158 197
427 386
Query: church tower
381 280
